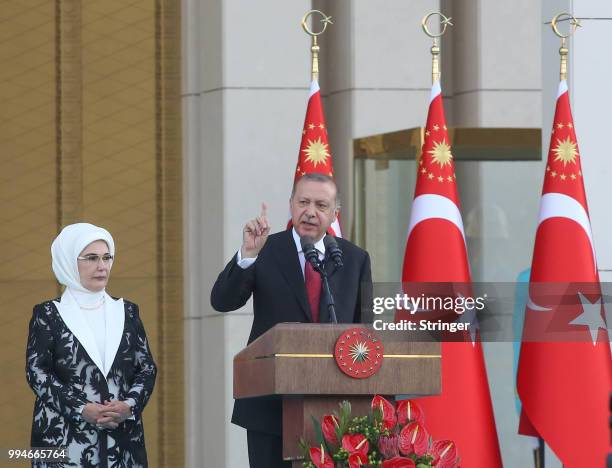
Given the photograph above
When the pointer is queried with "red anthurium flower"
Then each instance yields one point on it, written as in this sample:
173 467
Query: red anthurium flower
407 411
356 443
445 454
328 426
388 445
388 411
413 438
320 458
356 460
398 462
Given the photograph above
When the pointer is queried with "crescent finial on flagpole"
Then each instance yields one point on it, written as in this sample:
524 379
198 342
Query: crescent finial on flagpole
563 50
435 48
314 49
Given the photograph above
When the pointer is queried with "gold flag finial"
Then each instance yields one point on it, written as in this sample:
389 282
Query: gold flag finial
314 48
563 50
435 48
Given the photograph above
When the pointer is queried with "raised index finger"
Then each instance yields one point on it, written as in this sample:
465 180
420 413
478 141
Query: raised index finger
264 210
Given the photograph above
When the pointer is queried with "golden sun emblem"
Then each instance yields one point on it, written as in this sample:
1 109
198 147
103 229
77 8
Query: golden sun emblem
359 352
441 153
317 152
566 151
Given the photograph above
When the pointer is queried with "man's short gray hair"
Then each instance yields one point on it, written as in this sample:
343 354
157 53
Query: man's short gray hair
317 177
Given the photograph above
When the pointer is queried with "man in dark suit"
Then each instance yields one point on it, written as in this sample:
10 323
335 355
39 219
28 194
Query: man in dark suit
285 288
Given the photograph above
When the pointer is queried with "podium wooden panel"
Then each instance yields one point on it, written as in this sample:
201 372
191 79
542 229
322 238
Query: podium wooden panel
295 362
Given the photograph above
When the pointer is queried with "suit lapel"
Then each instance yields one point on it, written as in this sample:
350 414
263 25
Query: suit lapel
289 264
71 314
115 319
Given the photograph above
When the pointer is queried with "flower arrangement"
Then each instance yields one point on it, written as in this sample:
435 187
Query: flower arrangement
389 437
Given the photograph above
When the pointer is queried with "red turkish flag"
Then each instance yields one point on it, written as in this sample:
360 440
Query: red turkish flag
315 154
436 253
564 373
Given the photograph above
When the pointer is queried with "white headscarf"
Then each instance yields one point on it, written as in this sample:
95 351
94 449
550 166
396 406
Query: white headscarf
68 245
100 342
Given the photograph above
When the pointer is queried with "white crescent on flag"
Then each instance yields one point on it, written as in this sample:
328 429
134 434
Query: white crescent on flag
533 306
559 205
430 206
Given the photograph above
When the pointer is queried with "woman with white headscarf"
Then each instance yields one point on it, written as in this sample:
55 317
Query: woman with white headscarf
88 359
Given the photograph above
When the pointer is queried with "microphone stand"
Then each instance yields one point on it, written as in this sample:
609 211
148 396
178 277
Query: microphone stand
331 304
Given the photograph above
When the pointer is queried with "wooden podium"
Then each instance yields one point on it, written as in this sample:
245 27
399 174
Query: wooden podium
295 362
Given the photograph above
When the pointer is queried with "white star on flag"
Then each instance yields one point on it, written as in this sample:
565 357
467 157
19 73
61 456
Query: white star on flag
590 316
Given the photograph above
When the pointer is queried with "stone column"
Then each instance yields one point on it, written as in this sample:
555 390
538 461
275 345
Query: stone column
246 79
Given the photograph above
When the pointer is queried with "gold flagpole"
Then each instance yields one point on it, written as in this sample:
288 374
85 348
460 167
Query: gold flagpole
435 48
314 48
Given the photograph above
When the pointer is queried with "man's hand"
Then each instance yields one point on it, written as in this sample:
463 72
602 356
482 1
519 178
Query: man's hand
255 234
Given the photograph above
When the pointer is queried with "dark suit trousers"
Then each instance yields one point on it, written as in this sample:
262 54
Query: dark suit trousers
265 450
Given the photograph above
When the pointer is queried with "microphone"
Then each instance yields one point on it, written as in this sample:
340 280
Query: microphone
310 252
311 255
334 250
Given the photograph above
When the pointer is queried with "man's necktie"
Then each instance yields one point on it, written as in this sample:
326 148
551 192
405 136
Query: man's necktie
313 290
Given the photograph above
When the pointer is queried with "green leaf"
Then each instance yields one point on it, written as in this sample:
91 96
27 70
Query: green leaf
377 414
305 448
344 416
339 435
319 433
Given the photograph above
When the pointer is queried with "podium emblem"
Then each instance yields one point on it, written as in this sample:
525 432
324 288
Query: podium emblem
359 353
